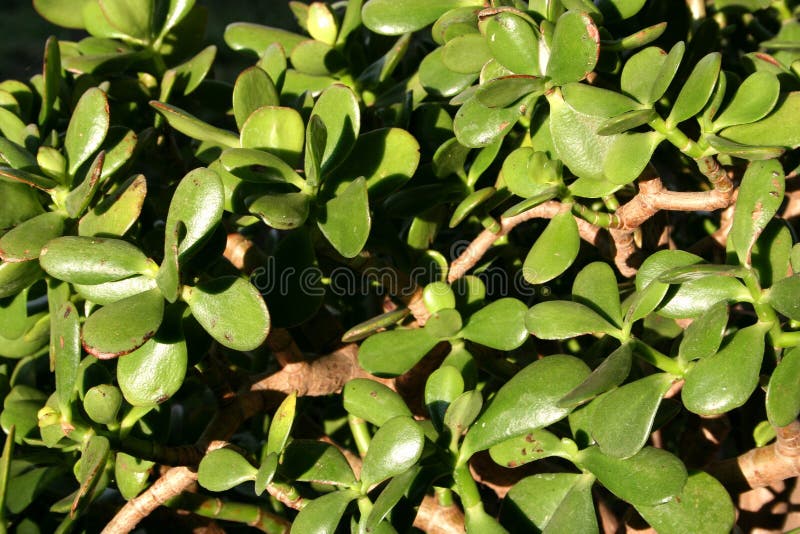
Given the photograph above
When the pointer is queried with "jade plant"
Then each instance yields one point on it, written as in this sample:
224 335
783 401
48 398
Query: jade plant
494 266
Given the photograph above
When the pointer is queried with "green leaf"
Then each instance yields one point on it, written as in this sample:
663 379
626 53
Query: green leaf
466 54
87 128
20 409
754 99
760 196
258 166
438 80
773 130
444 324
438 296
629 154
131 474
526 448
131 17
266 472
34 180
395 490
14 277
608 375
51 73
783 296
554 251
323 514
190 125
505 91
67 15
211 303
562 319
94 456
626 121
372 401
252 90
223 469
317 58
338 108
697 89
65 351
476 125
102 403
463 411
282 211
443 386
620 9
321 23
21 203
14 314
526 402
739 150
116 213
470 204
652 476
109 292
597 101
623 419
315 461
93 260
277 130
377 323
703 506
637 79
595 286
394 352
81 196
281 425
552 502
500 325
24 242
13 128
121 327
395 17
196 208
255 38
395 448
186 77
514 43
155 371
574 48
525 173
345 219
724 381
703 337
783 392
316 137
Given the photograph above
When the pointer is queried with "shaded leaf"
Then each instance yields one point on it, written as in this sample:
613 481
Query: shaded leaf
394 352
123 326
24 241
554 251
783 392
608 375
552 502
277 130
345 219
252 90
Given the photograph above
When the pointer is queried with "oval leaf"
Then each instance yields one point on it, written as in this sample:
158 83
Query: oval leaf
394 448
394 352
500 325
562 319
554 251
372 401
93 260
123 326
223 469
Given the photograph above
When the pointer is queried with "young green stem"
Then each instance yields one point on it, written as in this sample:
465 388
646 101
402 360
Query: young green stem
657 358
360 431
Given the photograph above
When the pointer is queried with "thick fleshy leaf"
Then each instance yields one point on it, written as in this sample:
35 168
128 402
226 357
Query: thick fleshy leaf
760 196
724 381
697 89
345 219
65 351
500 325
338 108
636 77
775 129
739 150
562 319
68 15
121 327
317 58
395 447
372 401
620 9
623 419
386 158
703 507
629 154
131 17
574 48
395 490
316 461
504 91
252 90
596 286
155 371
186 77
526 448
282 211
87 128
259 166
377 323
255 38
277 130
51 73
20 204
439 80
783 296
93 260
552 502
81 196
8 174
783 392
526 402
14 314
597 101
525 172
626 121
211 303
754 99
442 387
554 251
115 214
476 125
514 43
395 17
394 352
13 128
102 403
94 456
281 425
704 336
652 476
463 411
14 277
131 474
444 324
24 242
109 292
608 375
321 23
466 54
196 206
323 514
470 204
190 125
19 409
223 469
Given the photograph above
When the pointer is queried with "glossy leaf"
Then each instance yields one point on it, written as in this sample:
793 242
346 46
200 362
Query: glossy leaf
392 17
439 80
463 411
345 219
754 99
637 80
258 166
223 469
609 374
703 506
193 127
24 242
652 476
554 251
255 38
67 15
196 206
783 296
211 301
574 48
469 204
14 277
526 402
552 502
323 514
102 403
65 351
377 323
527 448
87 128
500 325
394 352
476 125
595 286
760 196
372 401
724 381
315 461
252 90
277 130
783 392
281 425
34 180
562 319
317 59
739 150
626 121
703 337
321 24
131 17
94 455
51 72
92 260
697 89
443 386
395 447
123 326
622 9
282 211
514 43
155 371
116 214
131 474
338 108
395 490
79 198
773 130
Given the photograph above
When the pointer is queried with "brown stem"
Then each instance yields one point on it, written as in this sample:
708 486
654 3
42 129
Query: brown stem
284 348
